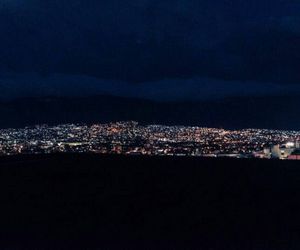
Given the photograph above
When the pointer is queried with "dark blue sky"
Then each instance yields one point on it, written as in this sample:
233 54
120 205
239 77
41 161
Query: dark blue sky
158 49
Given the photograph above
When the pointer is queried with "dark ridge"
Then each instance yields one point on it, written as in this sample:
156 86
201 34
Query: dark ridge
270 112
122 202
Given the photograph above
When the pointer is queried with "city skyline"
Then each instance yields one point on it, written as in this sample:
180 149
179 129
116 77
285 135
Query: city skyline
131 138
150 124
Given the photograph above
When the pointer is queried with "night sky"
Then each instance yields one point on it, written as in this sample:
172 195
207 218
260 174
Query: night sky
157 49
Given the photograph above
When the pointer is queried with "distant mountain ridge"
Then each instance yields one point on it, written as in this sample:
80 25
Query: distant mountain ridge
281 112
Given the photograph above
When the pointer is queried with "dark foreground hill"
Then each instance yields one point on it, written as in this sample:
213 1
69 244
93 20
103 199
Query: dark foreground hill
112 202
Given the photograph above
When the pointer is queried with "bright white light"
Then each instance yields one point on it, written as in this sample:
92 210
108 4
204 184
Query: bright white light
290 144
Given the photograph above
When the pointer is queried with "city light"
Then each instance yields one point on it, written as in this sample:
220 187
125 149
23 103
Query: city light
131 138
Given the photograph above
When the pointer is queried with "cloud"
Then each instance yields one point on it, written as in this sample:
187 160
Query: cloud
149 40
290 24
34 85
